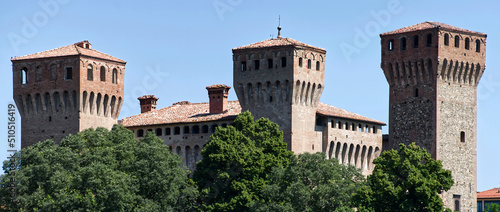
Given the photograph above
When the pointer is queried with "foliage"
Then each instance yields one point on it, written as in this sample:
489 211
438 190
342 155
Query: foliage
101 170
310 183
236 161
405 180
492 207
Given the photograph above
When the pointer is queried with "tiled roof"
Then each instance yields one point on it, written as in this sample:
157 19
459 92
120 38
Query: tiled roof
148 97
276 42
69 50
218 86
328 110
199 112
492 193
429 25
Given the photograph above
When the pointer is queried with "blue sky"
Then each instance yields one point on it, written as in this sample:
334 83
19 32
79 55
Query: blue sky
187 46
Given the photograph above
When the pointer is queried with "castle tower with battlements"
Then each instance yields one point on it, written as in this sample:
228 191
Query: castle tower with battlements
433 70
65 90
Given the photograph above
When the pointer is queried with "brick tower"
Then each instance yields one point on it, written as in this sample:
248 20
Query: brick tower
66 90
433 70
282 79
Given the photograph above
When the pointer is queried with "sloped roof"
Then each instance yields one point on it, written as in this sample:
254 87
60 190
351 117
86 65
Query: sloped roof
430 25
492 193
185 112
69 50
277 42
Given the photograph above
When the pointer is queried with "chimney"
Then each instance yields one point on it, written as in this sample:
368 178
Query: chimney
148 103
84 44
218 97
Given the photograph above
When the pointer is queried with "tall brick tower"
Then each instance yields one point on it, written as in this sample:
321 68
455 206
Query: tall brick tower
433 70
66 90
282 79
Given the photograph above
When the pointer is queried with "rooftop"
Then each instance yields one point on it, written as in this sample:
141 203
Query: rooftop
488 194
279 41
70 50
186 112
430 25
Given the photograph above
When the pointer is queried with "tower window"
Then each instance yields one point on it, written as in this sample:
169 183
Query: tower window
114 77
467 43
256 64
309 64
177 130
283 62
159 132
390 45
300 62
103 74
196 129
457 41
204 129
446 40
478 46
269 63
415 41
243 66
69 73
167 131
456 200
186 130
140 133
416 92
90 73
317 65
403 43
428 41
462 136
24 76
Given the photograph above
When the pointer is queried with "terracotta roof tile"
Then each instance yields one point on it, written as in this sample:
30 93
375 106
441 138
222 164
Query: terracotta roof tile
430 25
148 97
492 193
276 42
69 50
218 86
199 112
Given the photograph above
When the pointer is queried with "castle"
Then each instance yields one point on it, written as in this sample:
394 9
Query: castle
433 70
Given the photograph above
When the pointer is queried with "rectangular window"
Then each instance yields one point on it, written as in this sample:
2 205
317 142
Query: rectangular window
256 64
269 63
69 73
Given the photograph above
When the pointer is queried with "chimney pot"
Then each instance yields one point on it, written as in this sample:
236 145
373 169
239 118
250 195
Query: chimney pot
217 95
148 103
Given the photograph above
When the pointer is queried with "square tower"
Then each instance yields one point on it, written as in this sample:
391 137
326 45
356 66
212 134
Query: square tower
433 70
66 90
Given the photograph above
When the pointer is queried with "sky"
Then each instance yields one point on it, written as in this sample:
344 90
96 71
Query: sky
174 49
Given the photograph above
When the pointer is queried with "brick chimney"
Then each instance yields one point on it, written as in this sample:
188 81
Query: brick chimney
148 103
218 97
84 44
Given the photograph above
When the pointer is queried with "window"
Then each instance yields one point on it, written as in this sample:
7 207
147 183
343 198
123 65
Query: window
69 73
309 64
212 128
186 130
374 129
446 40
416 92
168 131
456 199
300 62
457 41
317 65
223 125
403 43
103 74
390 45
204 129
158 132
140 133
196 129
114 78
415 41
177 130
283 62
243 66
428 41
90 73
478 46
256 64
467 43
462 136
269 63
340 125
24 76
353 127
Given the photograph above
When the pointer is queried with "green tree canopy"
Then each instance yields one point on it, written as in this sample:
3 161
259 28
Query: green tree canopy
310 183
100 170
405 180
236 161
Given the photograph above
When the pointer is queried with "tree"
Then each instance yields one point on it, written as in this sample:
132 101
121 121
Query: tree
100 170
310 183
236 161
405 180
492 207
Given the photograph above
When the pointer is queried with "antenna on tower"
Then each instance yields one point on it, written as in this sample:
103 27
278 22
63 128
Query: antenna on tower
279 26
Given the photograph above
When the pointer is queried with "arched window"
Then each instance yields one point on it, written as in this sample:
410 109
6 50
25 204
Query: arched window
462 136
309 64
115 76
415 41
103 74
269 63
177 130
243 66
478 46
446 40
283 62
428 41
317 66
353 127
24 76
90 73
457 41
300 62
186 129
212 128
140 133
204 129
159 132
467 43
168 131
403 43
390 45
374 129
339 125
196 129
69 73
256 64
